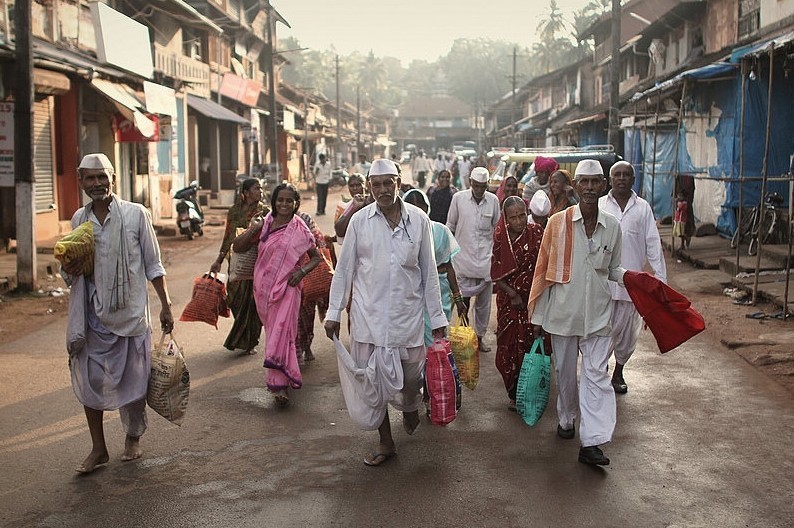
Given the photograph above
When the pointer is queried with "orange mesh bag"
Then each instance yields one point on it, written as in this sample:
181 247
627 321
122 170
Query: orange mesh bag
208 301
317 283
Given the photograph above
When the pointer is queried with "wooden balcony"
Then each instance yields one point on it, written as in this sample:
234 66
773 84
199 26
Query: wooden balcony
194 73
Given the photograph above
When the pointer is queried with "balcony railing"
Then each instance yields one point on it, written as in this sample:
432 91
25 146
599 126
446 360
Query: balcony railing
194 73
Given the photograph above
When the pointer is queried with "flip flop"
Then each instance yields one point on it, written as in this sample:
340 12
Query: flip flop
756 315
376 459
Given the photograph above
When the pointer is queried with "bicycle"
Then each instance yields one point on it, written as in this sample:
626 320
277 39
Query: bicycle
761 222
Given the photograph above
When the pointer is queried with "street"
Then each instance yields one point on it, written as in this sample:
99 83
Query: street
703 439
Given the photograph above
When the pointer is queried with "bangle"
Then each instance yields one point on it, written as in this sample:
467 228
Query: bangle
303 271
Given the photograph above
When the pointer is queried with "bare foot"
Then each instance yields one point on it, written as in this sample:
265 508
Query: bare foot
93 461
282 399
132 449
308 355
411 421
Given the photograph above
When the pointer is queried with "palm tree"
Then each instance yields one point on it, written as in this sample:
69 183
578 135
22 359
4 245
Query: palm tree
553 24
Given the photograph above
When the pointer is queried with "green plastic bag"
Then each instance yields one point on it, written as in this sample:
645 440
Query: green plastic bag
534 383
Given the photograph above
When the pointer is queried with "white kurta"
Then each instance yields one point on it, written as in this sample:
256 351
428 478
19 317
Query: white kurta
392 275
473 225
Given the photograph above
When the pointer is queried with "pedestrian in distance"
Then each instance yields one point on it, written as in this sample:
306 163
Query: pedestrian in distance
420 168
515 252
247 327
387 263
570 299
561 193
282 239
641 250
109 334
440 196
544 167
322 178
473 216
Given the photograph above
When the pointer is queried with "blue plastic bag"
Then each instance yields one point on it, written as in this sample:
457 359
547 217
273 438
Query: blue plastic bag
534 383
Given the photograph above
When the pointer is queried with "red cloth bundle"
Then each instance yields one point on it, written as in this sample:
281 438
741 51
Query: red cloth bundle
208 301
441 383
668 314
317 283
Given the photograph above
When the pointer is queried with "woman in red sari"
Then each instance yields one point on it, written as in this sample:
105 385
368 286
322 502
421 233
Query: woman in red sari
515 251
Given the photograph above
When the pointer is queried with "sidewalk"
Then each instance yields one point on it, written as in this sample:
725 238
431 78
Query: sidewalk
714 252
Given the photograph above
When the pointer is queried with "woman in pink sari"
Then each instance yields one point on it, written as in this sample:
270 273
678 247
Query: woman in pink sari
283 239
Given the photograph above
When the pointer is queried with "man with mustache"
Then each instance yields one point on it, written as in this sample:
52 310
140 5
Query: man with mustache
570 299
109 336
388 263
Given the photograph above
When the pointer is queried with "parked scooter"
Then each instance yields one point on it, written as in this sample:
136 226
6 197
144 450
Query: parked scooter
189 216
338 177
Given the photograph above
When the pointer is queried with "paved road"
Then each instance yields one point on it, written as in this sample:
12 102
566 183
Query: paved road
702 439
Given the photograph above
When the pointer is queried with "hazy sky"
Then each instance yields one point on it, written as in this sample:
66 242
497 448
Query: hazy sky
411 29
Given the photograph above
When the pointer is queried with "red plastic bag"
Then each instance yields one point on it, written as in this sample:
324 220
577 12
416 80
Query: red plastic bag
441 383
208 301
668 314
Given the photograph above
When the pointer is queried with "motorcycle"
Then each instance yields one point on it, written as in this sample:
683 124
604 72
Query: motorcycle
338 177
189 216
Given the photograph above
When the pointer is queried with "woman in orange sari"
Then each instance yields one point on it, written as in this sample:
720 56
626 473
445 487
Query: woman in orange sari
515 251
283 240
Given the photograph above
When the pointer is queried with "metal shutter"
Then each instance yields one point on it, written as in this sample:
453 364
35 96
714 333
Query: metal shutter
43 168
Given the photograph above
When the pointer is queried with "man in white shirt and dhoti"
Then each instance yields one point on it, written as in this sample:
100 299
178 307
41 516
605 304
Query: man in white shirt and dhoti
642 247
570 299
109 335
472 218
388 263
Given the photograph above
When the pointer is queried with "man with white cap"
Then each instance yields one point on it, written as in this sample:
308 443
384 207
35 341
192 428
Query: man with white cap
109 334
472 218
570 299
388 263
641 246
539 208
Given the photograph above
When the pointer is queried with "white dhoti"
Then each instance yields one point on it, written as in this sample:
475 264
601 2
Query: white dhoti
626 324
374 377
112 372
593 397
482 289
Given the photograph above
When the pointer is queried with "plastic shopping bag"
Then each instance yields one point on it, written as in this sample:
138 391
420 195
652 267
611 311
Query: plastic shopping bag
463 341
534 382
77 244
169 381
440 383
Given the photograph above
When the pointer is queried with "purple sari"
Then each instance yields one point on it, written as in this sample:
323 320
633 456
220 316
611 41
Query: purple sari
277 302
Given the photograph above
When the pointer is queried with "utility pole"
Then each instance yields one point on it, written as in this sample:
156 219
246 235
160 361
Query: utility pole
24 180
338 110
513 79
614 80
358 120
271 88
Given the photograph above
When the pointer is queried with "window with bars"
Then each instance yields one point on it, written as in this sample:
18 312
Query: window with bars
749 17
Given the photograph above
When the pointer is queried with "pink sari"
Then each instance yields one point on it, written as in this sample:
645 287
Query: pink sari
278 303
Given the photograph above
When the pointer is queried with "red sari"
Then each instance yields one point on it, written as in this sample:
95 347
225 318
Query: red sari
513 261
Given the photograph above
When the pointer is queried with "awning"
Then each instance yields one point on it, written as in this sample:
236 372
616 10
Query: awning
50 82
587 119
761 48
709 71
213 110
126 101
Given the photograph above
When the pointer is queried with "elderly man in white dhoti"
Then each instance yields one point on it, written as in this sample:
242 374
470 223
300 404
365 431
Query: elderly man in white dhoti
387 261
109 335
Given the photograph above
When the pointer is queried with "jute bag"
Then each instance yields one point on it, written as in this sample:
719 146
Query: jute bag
241 265
169 381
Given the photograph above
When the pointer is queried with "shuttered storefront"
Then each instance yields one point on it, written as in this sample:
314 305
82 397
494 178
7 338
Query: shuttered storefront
43 159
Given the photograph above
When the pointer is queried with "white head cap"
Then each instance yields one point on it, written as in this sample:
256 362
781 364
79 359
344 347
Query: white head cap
96 161
589 167
381 167
540 205
479 175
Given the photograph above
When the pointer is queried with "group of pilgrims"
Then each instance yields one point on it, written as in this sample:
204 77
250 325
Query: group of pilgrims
411 262
554 256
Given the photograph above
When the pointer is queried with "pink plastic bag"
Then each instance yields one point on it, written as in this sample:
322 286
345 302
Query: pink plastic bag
441 383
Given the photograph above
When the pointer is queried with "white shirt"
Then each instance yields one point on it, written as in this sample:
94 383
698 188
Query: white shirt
473 225
362 168
641 241
393 277
534 186
322 172
421 164
464 167
583 306
440 165
143 256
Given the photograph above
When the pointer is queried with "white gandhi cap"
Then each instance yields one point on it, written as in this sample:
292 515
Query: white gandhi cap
96 161
589 167
381 167
479 174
